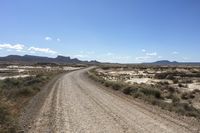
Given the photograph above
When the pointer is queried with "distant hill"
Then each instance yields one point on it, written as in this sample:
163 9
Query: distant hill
166 62
39 59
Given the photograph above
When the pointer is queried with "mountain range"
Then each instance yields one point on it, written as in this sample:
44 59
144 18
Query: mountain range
39 59
167 62
30 59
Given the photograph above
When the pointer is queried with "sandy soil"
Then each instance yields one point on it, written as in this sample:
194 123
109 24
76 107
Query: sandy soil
74 104
146 80
194 86
71 68
16 76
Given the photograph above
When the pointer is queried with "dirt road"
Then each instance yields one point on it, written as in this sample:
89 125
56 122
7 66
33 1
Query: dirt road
77 105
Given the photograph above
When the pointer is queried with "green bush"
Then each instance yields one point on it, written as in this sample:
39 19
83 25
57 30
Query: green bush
164 83
3 115
138 94
26 91
186 81
170 89
11 83
170 76
11 92
105 67
33 81
127 90
187 95
186 109
151 92
180 85
161 75
153 95
175 81
175 98
117 86
107 83
153 100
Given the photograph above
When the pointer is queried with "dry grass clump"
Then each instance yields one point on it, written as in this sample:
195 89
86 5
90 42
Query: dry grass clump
187 95
14 94
153 94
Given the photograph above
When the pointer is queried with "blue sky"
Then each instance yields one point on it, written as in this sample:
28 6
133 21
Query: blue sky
125 31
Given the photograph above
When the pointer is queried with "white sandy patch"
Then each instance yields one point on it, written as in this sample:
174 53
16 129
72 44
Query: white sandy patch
146 80
21 70
4 69
17 76
139 80
71 68
24 67
194 86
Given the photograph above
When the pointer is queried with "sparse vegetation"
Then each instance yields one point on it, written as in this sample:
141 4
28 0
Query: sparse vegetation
151 92
161 75
175 81
155 94
15 93
187 95
128 90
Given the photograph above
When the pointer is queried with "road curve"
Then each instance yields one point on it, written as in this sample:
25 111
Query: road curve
76 105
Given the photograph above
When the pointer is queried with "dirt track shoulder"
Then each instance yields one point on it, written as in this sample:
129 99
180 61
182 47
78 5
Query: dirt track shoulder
33 107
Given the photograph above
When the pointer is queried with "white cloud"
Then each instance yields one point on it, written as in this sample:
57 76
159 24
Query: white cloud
148 56
143 50
122 58
32 52
17 47
142 58
42 50
80 56
152 54
22 48
87 52
113 57
185 58
58 39
48 38
109 54
90 52
84 54
175 52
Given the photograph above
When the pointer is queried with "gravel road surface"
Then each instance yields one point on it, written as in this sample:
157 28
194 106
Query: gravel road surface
75 104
